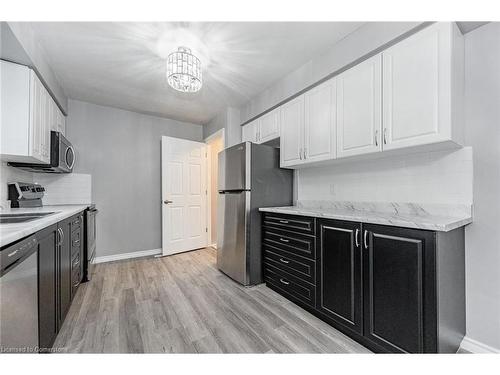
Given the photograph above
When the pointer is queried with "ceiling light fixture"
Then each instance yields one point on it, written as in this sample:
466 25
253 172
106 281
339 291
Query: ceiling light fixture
184 71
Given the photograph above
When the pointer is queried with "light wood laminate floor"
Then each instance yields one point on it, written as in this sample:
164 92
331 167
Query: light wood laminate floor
183 304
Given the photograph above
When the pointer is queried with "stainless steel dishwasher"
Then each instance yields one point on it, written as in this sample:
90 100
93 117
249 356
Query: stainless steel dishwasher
19 297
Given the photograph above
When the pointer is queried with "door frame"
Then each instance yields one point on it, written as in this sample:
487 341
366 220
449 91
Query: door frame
219 133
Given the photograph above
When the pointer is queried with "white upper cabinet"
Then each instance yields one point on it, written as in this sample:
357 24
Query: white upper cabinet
60 122
269 126
423 88
249 131
319 125
263 129
292 132
25 116
359 94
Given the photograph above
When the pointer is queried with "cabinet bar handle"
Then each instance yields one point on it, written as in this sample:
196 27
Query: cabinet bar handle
385 136
284 282
284 261
364 239
305 149
300 153
284 240
284 221
376 137
13 253
356 237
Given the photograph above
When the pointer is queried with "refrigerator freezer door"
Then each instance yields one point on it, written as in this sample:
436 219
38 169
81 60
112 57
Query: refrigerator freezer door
234 168
232 233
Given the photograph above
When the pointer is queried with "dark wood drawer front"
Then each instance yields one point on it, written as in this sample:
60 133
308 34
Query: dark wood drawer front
75 281
290 286
291 223
300 267
76 222
76 244
289 242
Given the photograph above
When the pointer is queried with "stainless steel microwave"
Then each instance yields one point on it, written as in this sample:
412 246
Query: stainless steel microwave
62 157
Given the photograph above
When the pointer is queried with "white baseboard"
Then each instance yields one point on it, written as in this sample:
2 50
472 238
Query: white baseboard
135 254
474 346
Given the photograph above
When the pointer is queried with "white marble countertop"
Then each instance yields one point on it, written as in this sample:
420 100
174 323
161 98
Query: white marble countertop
420 218
15 231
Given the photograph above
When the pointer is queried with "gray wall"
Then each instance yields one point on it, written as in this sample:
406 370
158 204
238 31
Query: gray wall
121 150
364 40
229 120
482 237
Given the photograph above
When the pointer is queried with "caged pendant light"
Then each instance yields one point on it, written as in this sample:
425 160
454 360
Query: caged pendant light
184 71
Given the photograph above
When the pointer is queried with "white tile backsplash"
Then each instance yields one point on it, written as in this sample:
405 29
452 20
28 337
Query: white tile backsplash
71 188
442 177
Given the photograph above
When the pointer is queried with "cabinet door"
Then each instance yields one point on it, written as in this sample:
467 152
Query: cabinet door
46 126
359 93
37 117
292 132
319 126
249 132
60 122
339 292
47 286
417 74
269 126
399 288
64 268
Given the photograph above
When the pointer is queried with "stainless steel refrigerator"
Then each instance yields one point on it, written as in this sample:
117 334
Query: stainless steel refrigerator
249 178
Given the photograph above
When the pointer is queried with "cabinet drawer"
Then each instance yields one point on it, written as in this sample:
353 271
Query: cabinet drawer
75 262
76 222
290 242
301 224
76 278
302 268
289 286
75 245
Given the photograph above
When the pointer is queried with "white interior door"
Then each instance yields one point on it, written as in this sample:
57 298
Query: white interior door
184 195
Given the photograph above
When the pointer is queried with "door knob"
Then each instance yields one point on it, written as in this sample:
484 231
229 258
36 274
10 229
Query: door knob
167 201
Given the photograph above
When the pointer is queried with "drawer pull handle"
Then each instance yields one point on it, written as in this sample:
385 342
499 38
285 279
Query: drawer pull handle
284 240
13 253
284 261
76 241
284 282
356 237
284 221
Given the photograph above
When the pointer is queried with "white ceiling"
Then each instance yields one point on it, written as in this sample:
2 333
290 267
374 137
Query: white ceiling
123 64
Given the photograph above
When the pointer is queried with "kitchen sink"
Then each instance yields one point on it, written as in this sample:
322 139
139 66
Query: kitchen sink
21 218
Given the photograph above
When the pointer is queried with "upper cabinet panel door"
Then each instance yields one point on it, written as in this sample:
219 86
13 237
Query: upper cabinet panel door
359 93
319 127
417 89
61 122
249 132
269 126
292 132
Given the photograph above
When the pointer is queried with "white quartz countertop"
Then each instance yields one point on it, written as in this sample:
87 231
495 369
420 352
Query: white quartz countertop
15 231
417 219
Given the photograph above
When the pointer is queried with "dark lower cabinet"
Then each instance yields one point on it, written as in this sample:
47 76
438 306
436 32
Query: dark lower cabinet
64 268
400 289
47 287
396 290
57 282
339 291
